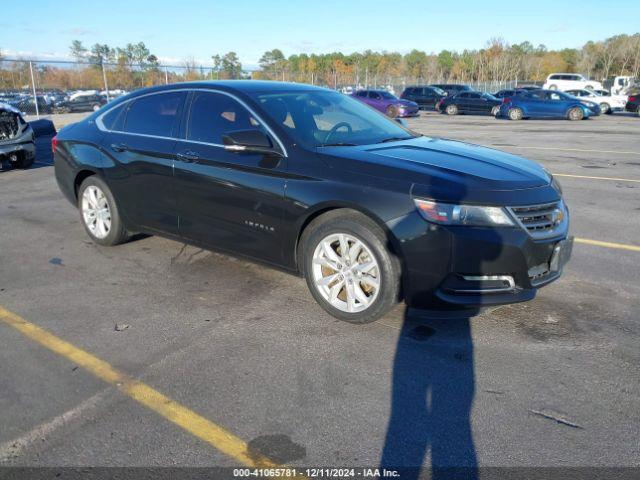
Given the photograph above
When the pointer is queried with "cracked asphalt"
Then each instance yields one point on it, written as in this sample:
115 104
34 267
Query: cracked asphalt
552 382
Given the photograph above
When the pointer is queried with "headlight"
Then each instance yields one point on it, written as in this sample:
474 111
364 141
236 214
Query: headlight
470 215
589 104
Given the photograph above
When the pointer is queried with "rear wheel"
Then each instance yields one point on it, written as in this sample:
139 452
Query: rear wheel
96 107
515 114
348 268
452 109
576 113
553 87
391 112
495 110
99 213
605 108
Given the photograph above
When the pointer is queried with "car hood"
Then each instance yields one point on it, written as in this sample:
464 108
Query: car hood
449 170
406 103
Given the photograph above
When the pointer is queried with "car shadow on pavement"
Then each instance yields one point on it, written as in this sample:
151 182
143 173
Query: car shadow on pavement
433 377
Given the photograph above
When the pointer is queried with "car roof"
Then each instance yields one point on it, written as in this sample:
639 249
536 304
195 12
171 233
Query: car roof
244 86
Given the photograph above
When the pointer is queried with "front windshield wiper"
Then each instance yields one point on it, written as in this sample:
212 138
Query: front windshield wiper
394 139
338 144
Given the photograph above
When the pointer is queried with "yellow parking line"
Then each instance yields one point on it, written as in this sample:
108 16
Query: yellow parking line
596 178
598 243
200 427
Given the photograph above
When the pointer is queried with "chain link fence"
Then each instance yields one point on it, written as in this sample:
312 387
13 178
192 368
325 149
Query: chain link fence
37 87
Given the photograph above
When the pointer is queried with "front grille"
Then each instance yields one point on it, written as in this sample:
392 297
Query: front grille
541 221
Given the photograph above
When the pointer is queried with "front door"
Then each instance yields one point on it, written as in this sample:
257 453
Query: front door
226 199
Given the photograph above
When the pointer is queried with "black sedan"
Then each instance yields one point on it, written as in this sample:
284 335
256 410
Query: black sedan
315 182
471 103
81 103
425 96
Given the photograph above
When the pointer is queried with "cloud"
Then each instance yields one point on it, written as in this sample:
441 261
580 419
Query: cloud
77 31
558 28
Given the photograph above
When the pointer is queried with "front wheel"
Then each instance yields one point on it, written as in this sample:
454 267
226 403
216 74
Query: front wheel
99 213
515 114
553 87
391 112
576 113
452 109
348 268
605 108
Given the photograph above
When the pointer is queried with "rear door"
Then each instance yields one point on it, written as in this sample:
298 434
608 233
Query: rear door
225 199
142 144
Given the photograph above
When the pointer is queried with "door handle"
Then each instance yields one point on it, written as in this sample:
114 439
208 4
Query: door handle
188 156
119 147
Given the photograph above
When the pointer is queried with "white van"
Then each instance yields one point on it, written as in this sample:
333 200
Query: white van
570 81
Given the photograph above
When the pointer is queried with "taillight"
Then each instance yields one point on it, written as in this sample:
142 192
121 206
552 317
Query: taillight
632 99
506 100
54 143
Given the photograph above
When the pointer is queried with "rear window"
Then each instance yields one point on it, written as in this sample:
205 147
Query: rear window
114 119
154 114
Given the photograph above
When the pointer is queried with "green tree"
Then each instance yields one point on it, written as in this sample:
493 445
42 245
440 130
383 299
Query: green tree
77 50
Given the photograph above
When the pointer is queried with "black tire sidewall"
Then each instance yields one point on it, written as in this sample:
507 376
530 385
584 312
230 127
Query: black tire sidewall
369 233
117 234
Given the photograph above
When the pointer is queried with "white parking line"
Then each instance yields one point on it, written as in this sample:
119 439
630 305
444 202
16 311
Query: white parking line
615 152
597 178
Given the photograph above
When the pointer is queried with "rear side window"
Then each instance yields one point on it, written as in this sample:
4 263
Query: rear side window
212 115
362 93
114 119
154 114
554 77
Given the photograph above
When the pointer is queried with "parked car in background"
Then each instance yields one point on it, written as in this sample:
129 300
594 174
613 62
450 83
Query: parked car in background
425 96
469 102
81 103
387 103
570 81
545 104
27 106
17 143
633 104
452 88
315 182
608 103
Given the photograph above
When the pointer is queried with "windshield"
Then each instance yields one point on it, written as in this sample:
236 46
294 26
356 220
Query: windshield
324 118
387 95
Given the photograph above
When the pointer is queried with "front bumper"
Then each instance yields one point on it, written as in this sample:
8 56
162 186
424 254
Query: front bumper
24 145
470 265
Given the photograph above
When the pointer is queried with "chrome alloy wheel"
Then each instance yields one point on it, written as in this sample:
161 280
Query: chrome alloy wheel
346 273
96 212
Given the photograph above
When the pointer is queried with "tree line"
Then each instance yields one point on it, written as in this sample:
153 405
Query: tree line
134 65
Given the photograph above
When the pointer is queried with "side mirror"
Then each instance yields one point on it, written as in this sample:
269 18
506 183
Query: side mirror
252 140
401 121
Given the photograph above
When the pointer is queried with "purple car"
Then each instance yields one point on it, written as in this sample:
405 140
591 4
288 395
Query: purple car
387 103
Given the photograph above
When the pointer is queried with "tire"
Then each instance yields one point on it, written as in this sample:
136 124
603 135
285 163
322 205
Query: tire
575 113
605 108
116 232
96 107
515 114
331 231
494 111
588 87
391 112
451 109
553 87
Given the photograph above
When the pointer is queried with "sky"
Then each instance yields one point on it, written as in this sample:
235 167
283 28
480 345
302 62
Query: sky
175 30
